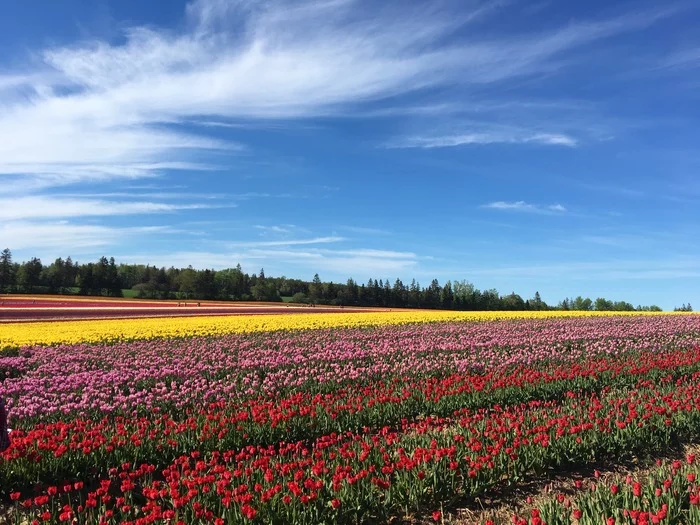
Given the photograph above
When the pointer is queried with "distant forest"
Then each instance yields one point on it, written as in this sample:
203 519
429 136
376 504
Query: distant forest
107 278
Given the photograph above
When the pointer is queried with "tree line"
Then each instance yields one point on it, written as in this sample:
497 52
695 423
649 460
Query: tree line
107 278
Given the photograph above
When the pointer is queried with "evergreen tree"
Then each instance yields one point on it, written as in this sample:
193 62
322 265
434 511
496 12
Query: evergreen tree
7 277
114 285
316 289
446 296
29 274
70 272
399 294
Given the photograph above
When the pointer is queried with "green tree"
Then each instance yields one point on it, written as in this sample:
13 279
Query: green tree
300 297
603 305
414 294
352 292
70 273
464 295
7 273
205 285
431 295
446 296
386 294
53 276
86 279
650 308
187 283
29 274
114 286
399 293
265 290
622 306
582 304
490 300
330 293
513 302
377 293
537 303
316 289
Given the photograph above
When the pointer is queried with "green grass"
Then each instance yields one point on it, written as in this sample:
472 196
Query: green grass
129 293
286 299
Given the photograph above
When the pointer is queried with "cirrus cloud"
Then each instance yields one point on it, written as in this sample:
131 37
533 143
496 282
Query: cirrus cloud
101 110
522 206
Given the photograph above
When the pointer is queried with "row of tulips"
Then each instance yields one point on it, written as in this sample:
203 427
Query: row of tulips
64 449
85 380
669 493
349 477
16 335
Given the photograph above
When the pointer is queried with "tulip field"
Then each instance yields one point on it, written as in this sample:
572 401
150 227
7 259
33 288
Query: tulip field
667 493
347 417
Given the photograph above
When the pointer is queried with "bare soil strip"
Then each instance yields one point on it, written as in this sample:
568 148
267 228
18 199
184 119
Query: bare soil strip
129 313
32 309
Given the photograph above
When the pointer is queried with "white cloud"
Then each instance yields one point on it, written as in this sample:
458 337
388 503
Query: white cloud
275 229
43 207
517 205
28 178
61 236
182 259
100 111
606 270
162 195
359 263
370 253
292 242
496 137
523 206
553 139
365 231
281 231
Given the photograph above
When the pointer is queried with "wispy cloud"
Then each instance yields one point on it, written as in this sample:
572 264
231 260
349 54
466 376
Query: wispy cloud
387 254
30 178
364 230
447 141
522 206
161 195
613 189
60 237
358 263
96 111
684 59
596 271
287 228
43 207
291 242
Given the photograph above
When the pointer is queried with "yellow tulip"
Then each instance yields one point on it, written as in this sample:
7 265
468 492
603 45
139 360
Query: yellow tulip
98 331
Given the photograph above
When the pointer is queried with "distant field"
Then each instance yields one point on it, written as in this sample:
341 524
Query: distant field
61 308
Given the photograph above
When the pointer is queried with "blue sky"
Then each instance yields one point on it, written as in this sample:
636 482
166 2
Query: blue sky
520 145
